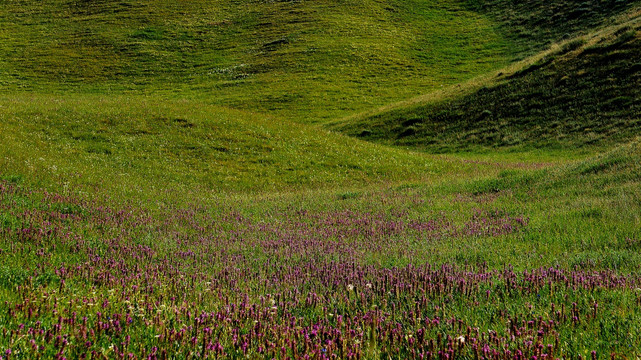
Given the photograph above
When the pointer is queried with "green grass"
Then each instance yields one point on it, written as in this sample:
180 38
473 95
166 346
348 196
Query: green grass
578 217
583 214
133 101
533 25
138 143
306 61
164 161
583 95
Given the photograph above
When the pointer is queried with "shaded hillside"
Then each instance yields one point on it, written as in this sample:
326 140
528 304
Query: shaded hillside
585 94
535 24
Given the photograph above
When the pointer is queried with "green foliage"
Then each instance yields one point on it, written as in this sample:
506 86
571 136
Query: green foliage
11 277
8 221
12 179
506 180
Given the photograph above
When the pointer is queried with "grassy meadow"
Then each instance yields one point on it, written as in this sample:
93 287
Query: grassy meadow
360 179
304 61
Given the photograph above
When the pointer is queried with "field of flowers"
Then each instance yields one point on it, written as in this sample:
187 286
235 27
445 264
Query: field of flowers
194 180
93 278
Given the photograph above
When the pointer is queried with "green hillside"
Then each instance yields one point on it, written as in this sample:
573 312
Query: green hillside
135 144
320 179
532 25
303 60
584 93
306 61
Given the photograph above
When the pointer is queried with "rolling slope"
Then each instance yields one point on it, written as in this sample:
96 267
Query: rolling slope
584 92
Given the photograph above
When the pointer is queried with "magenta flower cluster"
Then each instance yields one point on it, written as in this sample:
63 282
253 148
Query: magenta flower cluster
86 280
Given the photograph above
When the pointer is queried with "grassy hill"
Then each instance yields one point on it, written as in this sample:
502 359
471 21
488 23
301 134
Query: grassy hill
586 92
307 61
533 25
169 187
301 60
125 91
135 144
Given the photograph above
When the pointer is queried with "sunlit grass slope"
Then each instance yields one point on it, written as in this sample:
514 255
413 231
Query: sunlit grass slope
136 142
582 215
142 217
584 93
303 60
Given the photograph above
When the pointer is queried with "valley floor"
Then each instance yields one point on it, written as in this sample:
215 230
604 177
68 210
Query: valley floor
535 261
